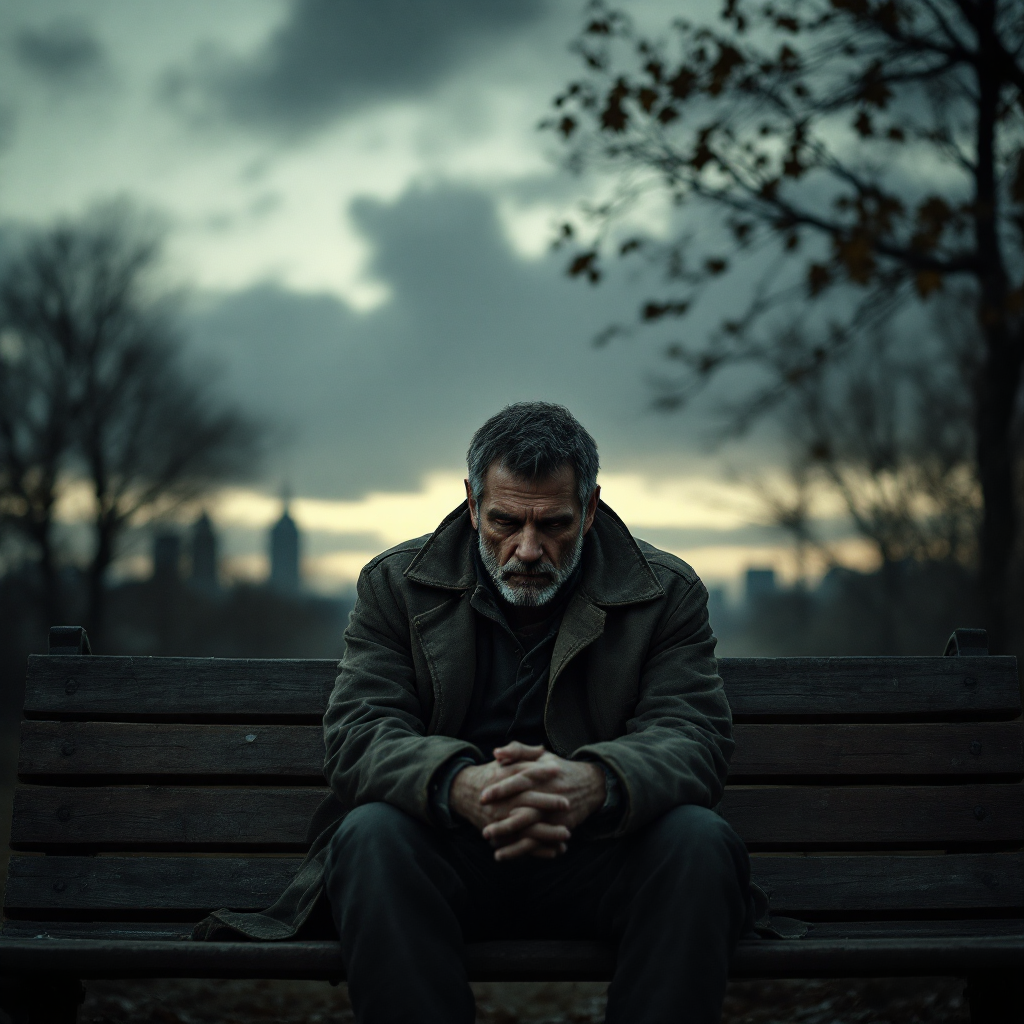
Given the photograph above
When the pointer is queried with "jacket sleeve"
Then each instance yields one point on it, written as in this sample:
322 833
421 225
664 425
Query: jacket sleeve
375 736
678 742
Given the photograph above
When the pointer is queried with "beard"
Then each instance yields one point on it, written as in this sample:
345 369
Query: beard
530 595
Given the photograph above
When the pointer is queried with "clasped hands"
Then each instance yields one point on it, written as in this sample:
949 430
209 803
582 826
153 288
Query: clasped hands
527 801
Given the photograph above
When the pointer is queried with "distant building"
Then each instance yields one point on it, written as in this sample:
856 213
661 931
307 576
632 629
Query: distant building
167 556
204 554
760 583
284 553
717 608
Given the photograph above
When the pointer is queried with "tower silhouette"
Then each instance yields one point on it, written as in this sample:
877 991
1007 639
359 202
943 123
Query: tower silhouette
284 552
204 553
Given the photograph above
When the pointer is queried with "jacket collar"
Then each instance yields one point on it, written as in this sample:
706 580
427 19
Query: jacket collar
614 570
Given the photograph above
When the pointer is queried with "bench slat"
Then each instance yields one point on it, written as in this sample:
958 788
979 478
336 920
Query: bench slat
192 689
795 884
195 689
938 748
73 749
893 931
169 817
120 817
927 953
872 688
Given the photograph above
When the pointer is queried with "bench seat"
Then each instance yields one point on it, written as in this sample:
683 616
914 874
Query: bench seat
880 799
849 949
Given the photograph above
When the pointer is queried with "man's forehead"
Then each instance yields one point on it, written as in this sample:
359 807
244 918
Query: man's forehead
555 491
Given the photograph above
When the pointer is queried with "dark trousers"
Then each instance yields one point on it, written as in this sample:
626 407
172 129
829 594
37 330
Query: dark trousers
405 896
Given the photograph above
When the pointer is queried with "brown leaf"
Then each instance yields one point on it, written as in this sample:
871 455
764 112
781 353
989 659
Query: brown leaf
657 310
729 58
819 277
856 255
682 83
926 282
863 125
585 265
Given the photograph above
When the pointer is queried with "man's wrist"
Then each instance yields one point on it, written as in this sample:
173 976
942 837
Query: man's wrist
441 790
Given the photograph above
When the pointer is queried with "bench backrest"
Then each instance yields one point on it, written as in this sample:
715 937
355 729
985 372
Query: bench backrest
162 788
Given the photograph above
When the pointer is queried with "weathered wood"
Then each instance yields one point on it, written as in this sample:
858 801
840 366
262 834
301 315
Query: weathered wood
892 931
871 688
196 689
227 818
56 750
939 748
70 749
145 883
163 817
803 817
810 957
890 884
183 689
797 885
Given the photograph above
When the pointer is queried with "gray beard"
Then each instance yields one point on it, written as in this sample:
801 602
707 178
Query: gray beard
529 597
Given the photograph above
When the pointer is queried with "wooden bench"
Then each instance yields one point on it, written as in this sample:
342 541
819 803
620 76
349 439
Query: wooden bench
880 799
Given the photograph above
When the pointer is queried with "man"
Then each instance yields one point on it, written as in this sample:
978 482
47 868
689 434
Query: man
526 740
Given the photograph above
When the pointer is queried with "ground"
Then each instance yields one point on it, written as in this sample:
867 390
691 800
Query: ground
895 1001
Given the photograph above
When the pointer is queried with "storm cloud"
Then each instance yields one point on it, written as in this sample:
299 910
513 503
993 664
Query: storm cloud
331 56
377 400
64 53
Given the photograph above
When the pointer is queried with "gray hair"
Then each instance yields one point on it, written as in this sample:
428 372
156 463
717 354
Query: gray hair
532 440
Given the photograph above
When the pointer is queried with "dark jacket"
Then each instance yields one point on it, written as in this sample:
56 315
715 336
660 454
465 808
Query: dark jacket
633 683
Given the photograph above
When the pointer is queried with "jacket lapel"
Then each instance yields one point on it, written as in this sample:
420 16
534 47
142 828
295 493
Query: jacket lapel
582 624
446 634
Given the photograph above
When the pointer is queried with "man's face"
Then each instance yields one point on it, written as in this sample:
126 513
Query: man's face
531 532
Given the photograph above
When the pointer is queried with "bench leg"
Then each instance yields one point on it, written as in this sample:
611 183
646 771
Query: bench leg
42 1000
996 998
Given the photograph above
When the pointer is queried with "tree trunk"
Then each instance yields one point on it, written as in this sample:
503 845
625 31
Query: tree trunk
999 379
102 557
997 395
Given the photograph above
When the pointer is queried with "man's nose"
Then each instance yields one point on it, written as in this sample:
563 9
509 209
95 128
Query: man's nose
528 548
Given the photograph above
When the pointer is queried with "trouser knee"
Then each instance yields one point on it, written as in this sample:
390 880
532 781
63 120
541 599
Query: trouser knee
371 838
701 841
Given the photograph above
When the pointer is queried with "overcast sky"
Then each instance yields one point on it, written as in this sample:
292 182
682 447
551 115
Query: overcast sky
361 205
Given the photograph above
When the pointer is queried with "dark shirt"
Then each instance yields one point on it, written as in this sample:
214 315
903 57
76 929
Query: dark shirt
510 685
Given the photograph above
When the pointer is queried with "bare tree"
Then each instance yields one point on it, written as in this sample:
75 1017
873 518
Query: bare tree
870 152
891 436
99 393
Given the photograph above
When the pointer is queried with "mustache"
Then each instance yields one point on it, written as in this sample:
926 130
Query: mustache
515 567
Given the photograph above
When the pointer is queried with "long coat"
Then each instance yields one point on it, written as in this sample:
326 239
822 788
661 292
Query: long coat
633 683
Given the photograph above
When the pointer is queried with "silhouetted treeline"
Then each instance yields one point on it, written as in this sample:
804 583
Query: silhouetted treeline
906 607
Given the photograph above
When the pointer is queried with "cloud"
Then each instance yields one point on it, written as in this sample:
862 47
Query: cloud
378 401
330 56
64 53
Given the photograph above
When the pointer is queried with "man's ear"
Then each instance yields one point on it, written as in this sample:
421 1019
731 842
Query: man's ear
588 519
472 505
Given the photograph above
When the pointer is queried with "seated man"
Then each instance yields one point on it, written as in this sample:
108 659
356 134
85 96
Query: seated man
525 741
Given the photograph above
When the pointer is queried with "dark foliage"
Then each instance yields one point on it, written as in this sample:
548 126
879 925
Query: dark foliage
868 153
